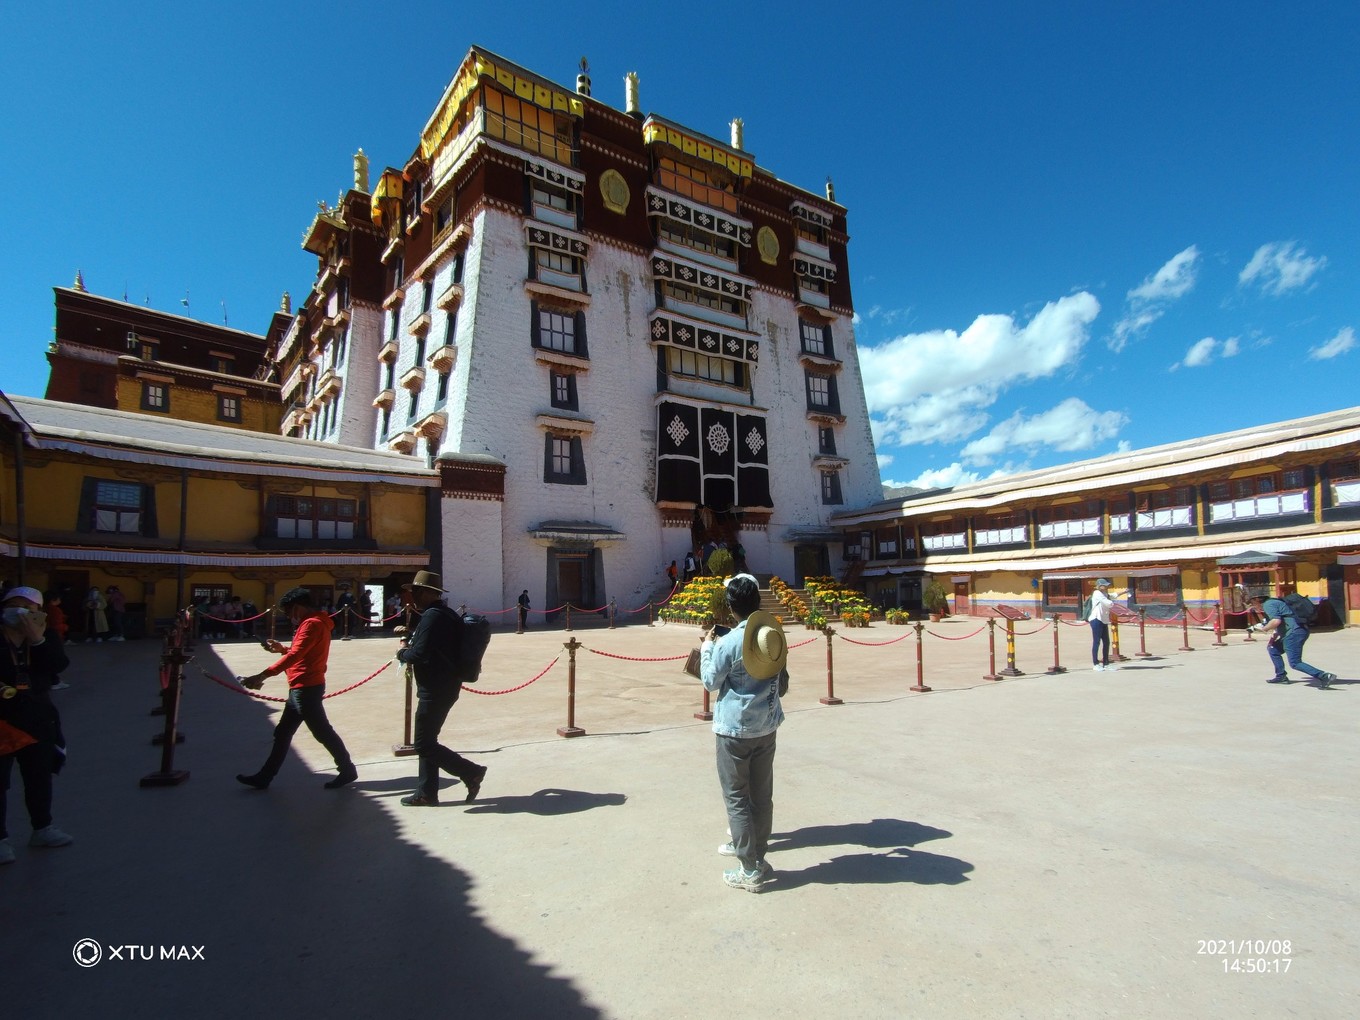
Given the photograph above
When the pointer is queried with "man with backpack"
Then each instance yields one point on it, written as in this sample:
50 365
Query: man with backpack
441 653
1289 622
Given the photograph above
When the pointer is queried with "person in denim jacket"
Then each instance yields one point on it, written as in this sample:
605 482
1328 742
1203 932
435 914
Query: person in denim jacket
745 666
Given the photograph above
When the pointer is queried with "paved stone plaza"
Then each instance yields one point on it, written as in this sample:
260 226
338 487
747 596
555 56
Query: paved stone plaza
1084 844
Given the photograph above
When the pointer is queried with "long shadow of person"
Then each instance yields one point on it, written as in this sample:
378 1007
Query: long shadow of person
881 832
547 802
899 865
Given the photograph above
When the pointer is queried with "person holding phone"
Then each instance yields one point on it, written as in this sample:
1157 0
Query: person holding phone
746 667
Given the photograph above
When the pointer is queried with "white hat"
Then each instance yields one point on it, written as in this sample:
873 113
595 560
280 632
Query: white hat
764 650
32 594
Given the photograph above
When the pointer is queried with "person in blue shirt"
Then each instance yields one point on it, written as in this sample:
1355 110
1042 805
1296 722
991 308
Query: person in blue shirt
746 667
1288 634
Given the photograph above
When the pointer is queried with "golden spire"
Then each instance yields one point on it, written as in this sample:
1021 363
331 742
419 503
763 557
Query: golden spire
80 282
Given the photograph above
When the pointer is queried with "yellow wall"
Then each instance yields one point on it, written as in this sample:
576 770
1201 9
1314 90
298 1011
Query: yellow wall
188 403
222 512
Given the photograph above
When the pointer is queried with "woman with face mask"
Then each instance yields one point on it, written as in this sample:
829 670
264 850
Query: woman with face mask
30 728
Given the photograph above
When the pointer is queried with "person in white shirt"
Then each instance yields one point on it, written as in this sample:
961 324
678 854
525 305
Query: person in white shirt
1099 618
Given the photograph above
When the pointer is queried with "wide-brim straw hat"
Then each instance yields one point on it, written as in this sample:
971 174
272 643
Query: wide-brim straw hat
426 579
764 652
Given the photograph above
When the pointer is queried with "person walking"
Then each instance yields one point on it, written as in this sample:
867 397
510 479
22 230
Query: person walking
304 662
523 603
672 574
1099 619
1288 636
746 667
56 621
117 612
433 653
30 726
691 567
96 619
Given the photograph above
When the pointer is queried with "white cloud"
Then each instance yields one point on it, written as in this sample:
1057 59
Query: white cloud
1174 280
943 478
1146 302
1336 346
1071 425
1202 352
1279 268
884 459
935 386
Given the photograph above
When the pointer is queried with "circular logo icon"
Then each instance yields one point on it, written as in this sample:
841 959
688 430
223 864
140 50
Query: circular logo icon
87 952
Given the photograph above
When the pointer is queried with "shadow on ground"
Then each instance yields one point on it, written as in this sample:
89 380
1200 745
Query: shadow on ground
305 901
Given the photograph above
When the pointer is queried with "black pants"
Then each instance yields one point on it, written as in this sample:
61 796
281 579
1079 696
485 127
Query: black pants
35 769
304 706
432 708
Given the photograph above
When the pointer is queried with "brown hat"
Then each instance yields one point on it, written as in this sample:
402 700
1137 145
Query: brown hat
425 579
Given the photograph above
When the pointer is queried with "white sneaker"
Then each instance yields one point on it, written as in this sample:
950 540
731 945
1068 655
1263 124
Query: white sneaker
6 852
1098 668
1110 667
118 639
50 836
63 686
727 850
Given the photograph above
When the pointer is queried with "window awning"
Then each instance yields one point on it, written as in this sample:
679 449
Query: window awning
1253 557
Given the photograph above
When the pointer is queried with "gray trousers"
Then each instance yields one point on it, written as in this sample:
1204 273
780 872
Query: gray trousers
746 774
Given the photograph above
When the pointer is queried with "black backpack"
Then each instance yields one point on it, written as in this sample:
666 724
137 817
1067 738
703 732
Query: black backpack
475 636
1305 612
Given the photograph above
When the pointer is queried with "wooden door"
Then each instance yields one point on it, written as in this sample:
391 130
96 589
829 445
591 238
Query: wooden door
570 582
961 604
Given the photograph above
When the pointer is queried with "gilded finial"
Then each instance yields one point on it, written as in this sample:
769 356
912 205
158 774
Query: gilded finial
287 306
80 281
830 190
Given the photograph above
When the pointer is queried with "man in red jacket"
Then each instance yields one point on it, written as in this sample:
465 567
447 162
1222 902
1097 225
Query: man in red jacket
305 663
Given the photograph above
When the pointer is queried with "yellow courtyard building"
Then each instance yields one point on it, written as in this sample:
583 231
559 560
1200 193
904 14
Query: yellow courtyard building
177 513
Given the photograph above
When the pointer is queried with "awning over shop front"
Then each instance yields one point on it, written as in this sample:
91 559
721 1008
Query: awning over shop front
1254 557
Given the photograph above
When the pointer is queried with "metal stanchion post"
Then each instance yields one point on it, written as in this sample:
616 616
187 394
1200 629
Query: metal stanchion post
920 662
173 660
613 612
1010 669
830 698
405 749
568 627
991 673
1218 625
571 729
1185 629
1057 667
706 714
1142 652
1115 654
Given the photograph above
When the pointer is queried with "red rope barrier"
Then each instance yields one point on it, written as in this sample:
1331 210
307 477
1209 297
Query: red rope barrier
223 619
232 686
875 644
800 644
634 658
512 690
1026 633
964 637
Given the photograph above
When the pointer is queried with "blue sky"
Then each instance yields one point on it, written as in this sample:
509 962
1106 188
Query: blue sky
1075 227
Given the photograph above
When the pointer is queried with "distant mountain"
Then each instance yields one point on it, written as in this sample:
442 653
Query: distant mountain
898 491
